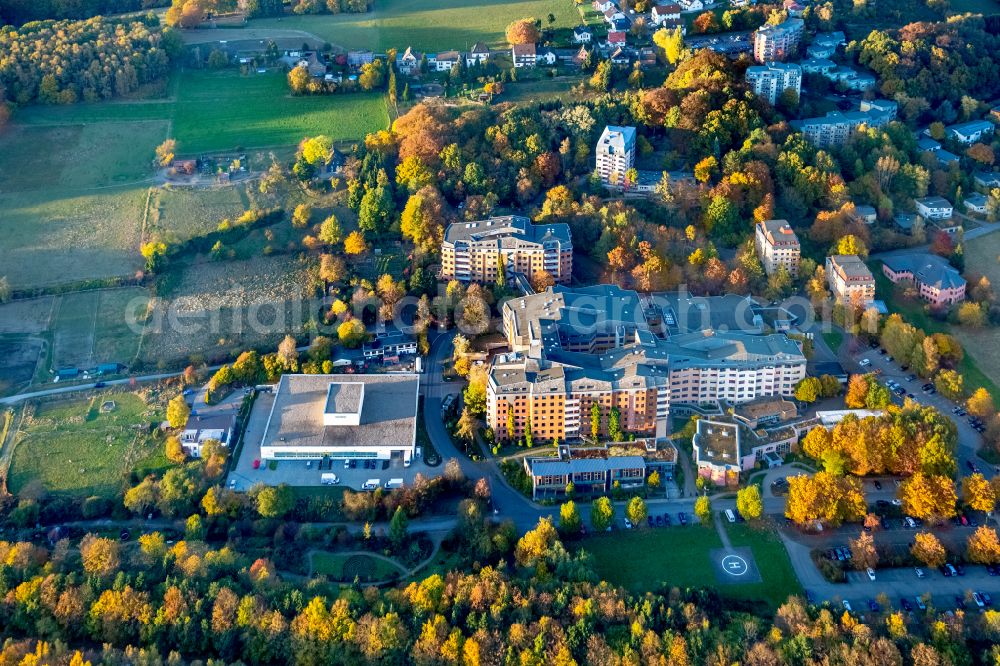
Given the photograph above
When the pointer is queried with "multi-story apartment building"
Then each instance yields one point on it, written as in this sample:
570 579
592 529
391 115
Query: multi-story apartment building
777 245
771 80
568 356
849 279
777 42
476 251
615 154
835 128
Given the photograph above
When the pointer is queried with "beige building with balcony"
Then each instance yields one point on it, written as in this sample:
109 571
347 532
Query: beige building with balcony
777 245
850 280
477 251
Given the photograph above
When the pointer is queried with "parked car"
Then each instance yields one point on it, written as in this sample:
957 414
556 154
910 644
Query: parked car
986 599
992 569
256 463
905 604
659 521
847 605
666 519
877 484
682 518
959 569
871 573
920 572
628 524
920 604
873 606
978 599
649 521
959 602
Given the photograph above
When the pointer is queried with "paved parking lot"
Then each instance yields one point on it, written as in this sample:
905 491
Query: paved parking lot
968 439
295 472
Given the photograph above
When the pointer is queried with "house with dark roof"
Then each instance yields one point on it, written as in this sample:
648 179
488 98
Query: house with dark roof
976 203
582 34
477 55
937 281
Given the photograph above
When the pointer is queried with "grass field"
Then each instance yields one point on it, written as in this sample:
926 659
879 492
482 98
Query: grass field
678 556
71 447
177 214
80 329
427 25
71 200
215 309
223 110
344 567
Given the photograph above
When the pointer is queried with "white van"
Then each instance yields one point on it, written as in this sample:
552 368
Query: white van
393 483
329 479
730 516
371 484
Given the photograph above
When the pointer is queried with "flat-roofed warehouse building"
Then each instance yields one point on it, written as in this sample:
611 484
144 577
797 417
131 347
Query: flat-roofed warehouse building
342 416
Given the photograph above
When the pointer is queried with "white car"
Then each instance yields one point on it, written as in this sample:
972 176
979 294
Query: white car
847 605
871 573
628 524
920 572
865 363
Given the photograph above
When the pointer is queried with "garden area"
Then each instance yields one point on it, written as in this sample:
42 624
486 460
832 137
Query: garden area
348 567
87 446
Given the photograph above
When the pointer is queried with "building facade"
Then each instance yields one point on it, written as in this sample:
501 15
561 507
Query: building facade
774 78
935 279
777 42
850 280
478 251
777 245
615 154
835 128
577 349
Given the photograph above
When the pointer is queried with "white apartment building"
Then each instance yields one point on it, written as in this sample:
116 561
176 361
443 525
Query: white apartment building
934 208
777 42
615 154
772 79
835 128
850 280
476 251
777 245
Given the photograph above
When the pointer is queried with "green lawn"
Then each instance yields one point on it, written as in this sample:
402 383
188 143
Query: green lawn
678 556
224 110
71 448
426 25
833 338
344 567
221 111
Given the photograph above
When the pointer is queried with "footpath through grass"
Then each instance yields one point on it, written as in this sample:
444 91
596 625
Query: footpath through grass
644 559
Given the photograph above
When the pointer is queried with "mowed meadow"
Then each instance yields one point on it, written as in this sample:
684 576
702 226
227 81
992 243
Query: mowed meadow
79 194
426 25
